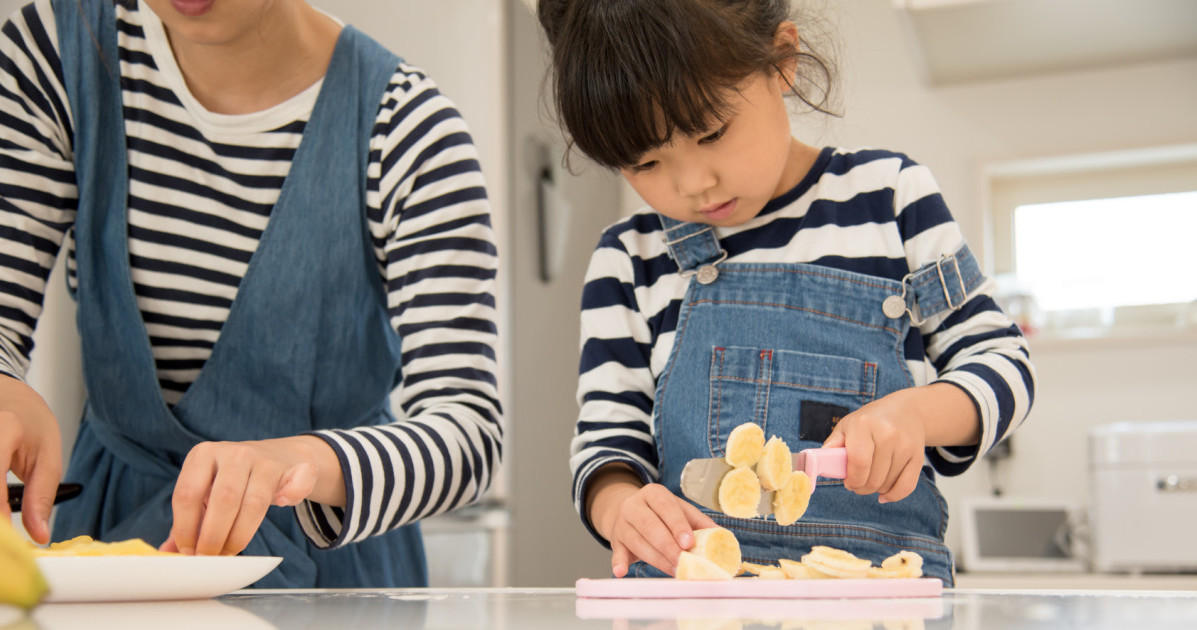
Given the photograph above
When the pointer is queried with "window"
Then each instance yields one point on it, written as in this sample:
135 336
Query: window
1097 243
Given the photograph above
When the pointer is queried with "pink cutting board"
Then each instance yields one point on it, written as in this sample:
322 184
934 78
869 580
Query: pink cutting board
756 588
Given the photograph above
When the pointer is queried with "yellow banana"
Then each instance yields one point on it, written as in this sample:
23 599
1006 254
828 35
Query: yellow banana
21 581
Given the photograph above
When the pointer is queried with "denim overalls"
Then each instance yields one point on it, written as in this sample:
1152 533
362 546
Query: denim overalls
307 344
793 347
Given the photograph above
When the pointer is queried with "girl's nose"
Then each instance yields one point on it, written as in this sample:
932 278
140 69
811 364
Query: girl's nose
694 178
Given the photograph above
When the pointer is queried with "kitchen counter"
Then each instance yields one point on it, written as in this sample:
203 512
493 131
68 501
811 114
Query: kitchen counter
559 609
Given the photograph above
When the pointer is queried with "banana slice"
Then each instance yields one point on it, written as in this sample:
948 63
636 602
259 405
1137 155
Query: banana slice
904 564
745 444
775 465
752 567
691 566
790 502
772 573
836 562
795 570
720 546
21 581
740 493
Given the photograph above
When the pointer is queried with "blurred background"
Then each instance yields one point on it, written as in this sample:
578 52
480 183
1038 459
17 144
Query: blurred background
1063 136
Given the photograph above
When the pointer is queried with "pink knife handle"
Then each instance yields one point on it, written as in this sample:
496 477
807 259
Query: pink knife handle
823 462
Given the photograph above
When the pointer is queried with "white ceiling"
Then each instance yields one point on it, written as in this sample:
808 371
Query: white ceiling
970 40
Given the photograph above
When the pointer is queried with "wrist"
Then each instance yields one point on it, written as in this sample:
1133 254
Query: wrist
607 491
949 415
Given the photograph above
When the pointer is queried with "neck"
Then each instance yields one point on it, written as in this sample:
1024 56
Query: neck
283 54
801 158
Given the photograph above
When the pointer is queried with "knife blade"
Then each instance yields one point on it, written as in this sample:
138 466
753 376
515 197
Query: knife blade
65 491
701 477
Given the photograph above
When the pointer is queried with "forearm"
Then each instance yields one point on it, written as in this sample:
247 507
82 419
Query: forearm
948 414
608 488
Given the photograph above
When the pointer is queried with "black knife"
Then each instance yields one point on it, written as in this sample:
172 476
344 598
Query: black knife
65 491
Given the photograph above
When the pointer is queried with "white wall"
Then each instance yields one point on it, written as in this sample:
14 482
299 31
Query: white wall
957 131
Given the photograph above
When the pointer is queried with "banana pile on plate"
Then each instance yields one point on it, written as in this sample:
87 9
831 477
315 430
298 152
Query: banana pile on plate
88 546
759 465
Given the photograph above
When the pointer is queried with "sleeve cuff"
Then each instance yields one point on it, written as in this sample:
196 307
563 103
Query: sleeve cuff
326 525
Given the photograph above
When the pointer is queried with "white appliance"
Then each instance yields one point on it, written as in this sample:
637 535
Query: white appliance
1143 489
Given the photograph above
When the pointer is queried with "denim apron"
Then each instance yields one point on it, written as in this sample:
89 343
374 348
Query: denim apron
307 344
793 347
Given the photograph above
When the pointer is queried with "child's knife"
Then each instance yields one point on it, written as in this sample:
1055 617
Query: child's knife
701 477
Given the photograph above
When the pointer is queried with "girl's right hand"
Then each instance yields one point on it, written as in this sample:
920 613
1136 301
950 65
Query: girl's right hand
30 447
647 523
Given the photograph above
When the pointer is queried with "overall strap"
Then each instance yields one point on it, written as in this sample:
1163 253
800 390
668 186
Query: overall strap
940 286
694 247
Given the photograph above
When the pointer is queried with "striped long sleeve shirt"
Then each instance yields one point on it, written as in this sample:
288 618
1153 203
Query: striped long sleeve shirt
202 186
868 211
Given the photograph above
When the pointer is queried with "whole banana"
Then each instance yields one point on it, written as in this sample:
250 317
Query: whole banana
21 581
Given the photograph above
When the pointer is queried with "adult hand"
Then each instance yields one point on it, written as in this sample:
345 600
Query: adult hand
225 488
30 447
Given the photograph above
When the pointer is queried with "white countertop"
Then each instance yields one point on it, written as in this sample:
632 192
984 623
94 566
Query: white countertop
560 609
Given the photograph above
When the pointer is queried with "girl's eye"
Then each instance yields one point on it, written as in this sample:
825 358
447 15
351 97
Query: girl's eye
644 166
714 137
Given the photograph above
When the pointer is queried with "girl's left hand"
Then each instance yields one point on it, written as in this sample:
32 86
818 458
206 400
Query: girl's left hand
885 441
225 488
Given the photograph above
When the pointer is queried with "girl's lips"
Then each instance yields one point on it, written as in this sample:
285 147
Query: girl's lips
192 8
719 212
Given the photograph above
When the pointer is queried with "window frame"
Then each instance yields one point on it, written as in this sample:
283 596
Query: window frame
1148 171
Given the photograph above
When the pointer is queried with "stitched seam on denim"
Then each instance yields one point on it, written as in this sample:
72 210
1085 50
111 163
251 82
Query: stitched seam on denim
870 377
796 385
812 273
679 333
716 414
765 408
904 541
796 308
764 371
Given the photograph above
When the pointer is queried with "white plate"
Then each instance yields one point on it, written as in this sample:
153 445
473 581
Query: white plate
146 578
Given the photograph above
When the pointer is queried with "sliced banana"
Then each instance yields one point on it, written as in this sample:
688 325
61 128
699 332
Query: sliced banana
796 570
904 564
776 464
720 546
836 562
790 502
745 444
691 566
740 493
772 573
752 567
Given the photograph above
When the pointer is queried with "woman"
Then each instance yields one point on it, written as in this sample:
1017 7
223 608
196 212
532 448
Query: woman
271 223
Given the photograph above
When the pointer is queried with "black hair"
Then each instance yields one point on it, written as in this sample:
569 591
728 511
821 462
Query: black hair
628 74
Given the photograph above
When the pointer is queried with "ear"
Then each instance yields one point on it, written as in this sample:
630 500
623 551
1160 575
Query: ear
786 37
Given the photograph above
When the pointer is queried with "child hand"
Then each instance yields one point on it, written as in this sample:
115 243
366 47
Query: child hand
885 441
650 524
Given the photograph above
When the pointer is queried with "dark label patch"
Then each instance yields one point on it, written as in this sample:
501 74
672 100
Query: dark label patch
818 419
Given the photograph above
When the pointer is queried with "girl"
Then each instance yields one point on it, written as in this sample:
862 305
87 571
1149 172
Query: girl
270 222
825 294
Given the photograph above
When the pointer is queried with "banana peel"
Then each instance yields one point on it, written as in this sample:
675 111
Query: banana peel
21 581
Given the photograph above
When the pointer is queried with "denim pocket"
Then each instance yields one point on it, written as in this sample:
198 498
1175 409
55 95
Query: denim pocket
769 387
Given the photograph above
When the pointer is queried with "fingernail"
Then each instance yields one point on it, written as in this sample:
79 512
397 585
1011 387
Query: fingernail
686 540
882 500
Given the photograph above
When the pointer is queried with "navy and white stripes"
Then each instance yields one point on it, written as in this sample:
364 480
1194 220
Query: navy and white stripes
202 186
867 211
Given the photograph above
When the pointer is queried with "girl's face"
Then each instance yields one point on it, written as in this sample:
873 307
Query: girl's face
726 175
210 22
